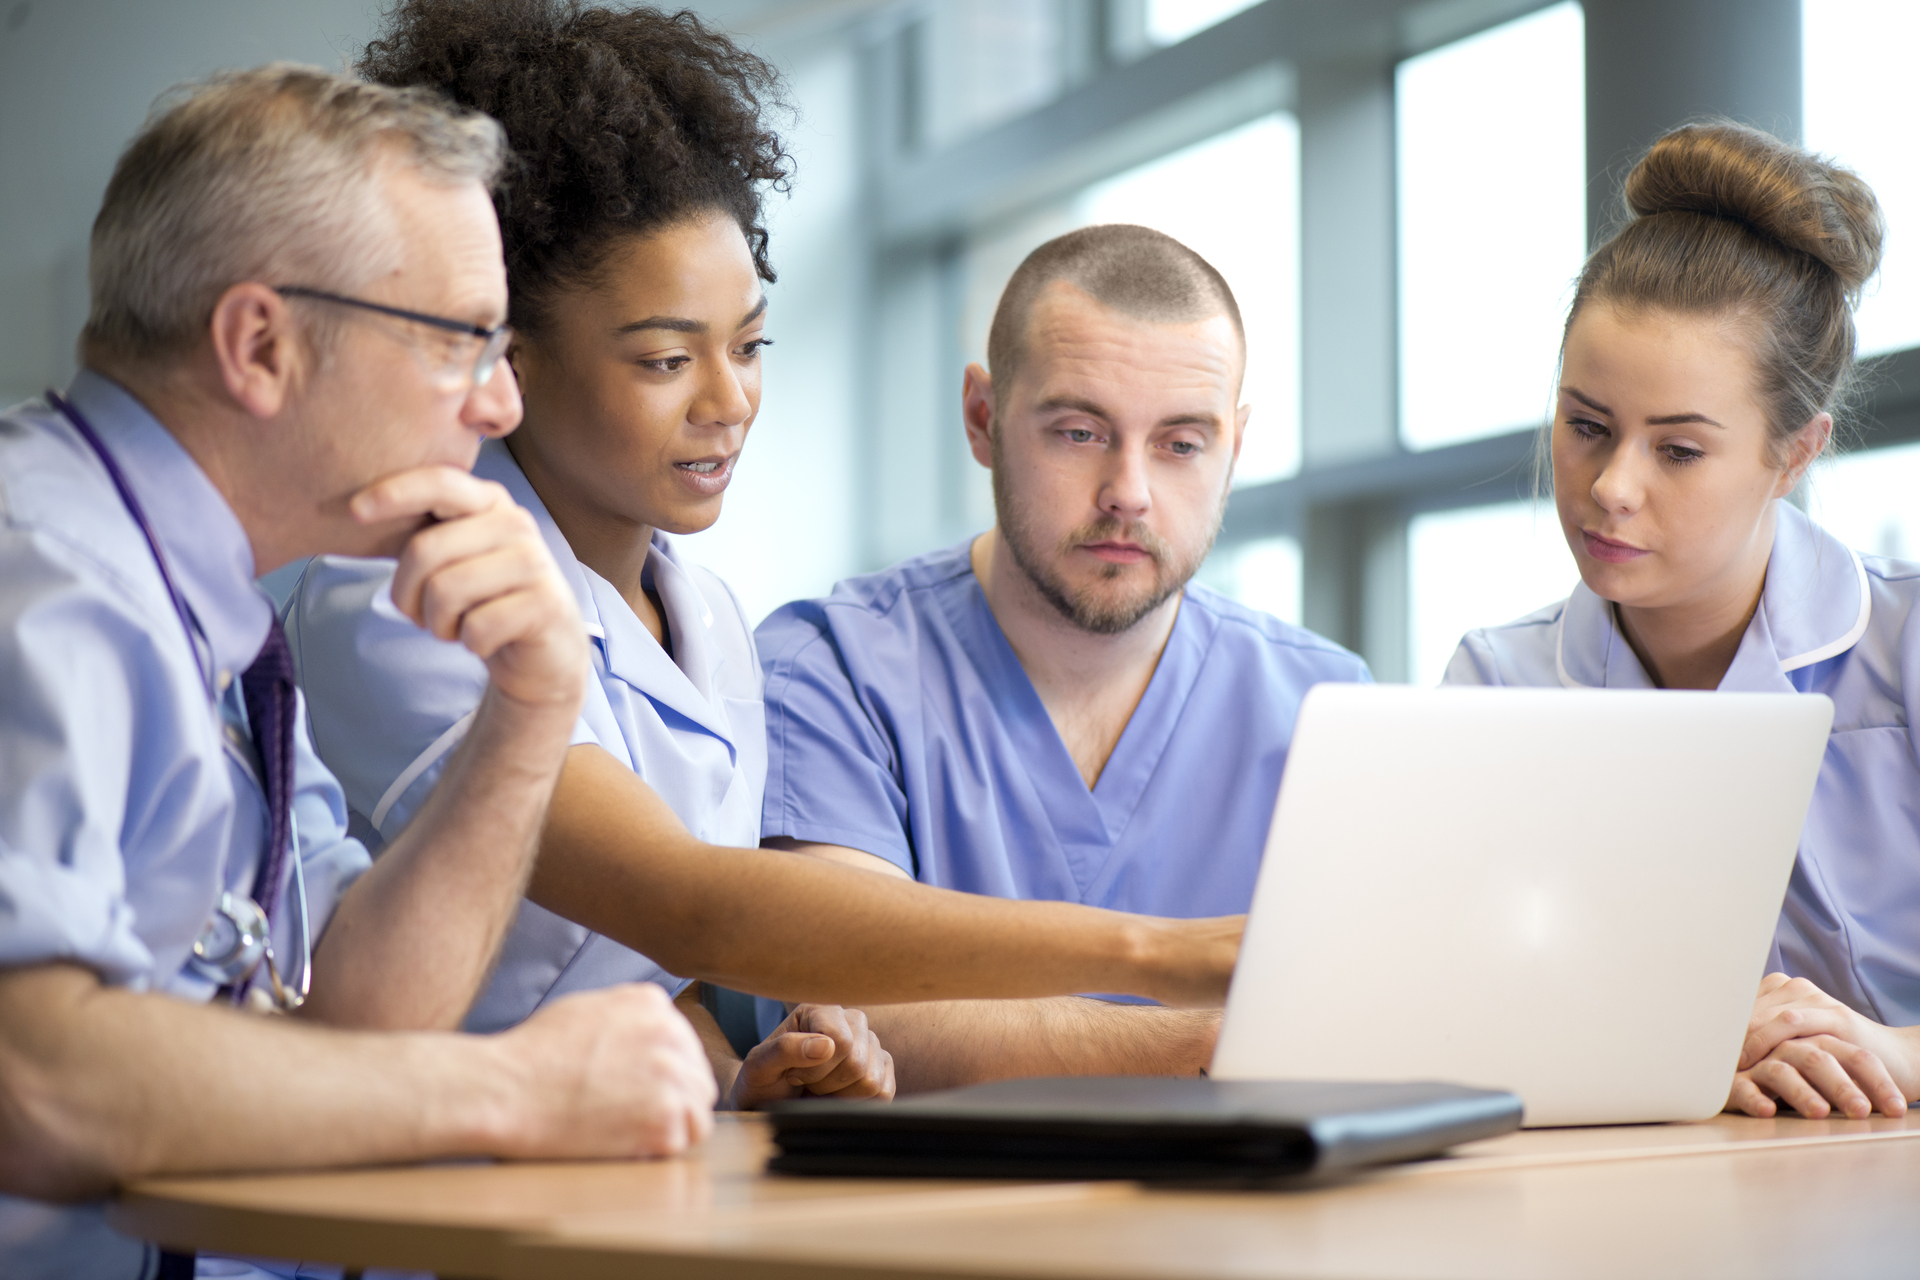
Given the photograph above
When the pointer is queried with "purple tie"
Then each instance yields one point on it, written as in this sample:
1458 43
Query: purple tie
267 686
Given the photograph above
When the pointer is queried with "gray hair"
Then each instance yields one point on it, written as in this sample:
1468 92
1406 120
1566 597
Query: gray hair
269 175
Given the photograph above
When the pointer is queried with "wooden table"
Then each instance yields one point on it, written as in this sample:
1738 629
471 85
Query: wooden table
1728 1197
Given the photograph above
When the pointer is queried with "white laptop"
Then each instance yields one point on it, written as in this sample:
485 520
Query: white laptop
1568 894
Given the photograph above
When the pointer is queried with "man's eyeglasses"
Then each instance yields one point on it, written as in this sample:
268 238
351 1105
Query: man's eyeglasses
493 342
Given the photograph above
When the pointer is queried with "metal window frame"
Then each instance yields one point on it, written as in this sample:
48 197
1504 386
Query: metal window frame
1650 64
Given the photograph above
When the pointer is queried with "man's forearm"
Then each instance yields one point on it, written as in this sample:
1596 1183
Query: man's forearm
720 1055
616 859
98 1085
948 1043
412 941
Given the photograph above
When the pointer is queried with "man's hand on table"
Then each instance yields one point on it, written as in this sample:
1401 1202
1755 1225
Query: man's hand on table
1813 1053
822 1050
611 1073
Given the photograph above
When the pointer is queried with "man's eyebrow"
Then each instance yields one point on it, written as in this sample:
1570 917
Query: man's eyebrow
1074 404
1054 404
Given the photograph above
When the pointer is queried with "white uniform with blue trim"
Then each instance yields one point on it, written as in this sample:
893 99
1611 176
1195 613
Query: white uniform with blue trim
1830 621
129 792
389 702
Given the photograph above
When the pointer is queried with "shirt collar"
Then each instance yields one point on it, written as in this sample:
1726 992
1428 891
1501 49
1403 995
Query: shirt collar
1814 606
1817 603
208 553
496 463
631 653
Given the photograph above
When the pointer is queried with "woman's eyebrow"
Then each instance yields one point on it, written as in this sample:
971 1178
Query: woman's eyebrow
676 324
1587 400
682 324
1664 420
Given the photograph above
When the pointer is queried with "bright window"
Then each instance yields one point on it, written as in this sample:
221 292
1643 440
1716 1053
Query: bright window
1863 110
983 62
1171 21
1233 199
1493 188
1871 501
1263 574
1480 567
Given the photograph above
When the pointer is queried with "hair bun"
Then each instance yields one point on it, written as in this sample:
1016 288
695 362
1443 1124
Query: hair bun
1779 191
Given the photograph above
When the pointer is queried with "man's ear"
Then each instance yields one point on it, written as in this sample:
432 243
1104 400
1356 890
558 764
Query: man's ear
1803 449
976 409
1240 419
258 348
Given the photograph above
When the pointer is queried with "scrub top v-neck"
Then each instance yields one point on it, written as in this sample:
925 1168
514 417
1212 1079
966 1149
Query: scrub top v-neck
389 702
900 723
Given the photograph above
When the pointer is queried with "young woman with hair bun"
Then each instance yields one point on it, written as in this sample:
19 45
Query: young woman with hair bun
1709 345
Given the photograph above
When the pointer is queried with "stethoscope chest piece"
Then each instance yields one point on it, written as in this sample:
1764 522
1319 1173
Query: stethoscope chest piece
233 942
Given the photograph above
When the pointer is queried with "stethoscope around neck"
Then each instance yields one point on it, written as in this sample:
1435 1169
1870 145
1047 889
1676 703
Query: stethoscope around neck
236 939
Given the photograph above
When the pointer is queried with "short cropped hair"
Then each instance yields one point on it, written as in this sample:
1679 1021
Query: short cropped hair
268 175
1138 271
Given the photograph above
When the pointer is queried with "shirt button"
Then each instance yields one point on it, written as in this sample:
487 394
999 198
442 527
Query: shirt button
226 679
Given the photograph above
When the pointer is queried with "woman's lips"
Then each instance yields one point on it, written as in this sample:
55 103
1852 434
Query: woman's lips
707 476
1609 551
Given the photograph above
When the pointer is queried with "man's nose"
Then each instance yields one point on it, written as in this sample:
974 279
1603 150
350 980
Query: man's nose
1124 491
493 408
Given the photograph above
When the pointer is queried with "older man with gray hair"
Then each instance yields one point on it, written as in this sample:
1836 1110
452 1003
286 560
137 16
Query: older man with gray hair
294 347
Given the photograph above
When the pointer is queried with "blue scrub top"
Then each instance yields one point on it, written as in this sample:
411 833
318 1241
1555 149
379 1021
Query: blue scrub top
389 702
900 723
130 796
1830 621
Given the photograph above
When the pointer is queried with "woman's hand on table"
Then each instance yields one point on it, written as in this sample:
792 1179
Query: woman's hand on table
1816 1055
822 1050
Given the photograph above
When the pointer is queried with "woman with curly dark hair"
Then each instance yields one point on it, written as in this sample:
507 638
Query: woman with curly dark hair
637 253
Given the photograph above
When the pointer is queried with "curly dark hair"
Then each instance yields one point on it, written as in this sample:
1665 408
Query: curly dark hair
621 122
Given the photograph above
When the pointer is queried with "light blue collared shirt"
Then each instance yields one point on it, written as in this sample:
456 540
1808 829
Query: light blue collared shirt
901 723
389 702
129 792
1830 621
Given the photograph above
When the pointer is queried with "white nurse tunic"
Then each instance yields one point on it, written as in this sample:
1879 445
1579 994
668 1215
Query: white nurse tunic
1830 621
388 703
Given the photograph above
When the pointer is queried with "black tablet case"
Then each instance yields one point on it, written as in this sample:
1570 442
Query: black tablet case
1149 1127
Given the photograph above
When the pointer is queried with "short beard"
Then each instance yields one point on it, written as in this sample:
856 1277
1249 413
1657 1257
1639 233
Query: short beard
1101 613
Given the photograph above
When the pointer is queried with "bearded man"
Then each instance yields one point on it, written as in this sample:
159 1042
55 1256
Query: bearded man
1053 710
